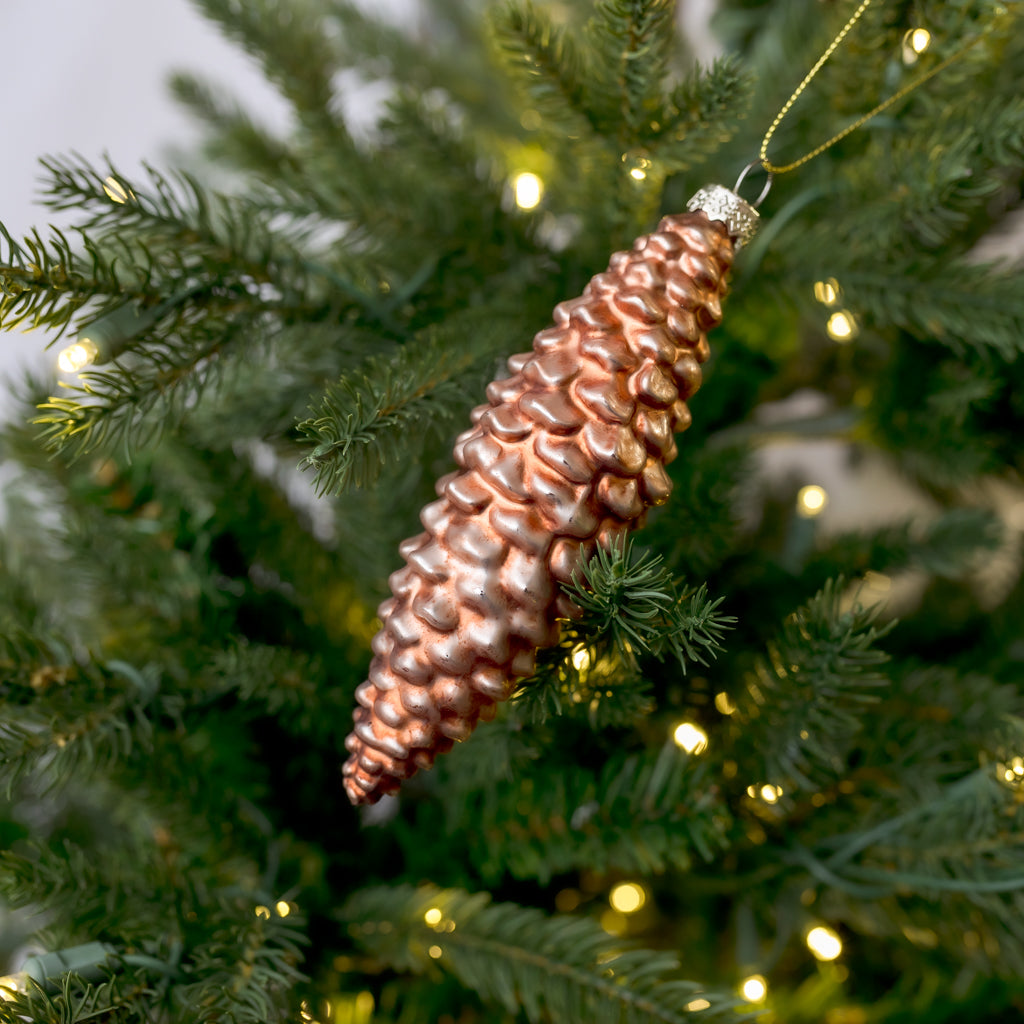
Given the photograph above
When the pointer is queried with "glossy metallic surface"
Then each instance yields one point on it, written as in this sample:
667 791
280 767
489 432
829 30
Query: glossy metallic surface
568 452
720 203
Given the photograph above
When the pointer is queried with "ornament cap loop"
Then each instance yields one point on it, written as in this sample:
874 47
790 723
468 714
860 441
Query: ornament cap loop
721 203
767 184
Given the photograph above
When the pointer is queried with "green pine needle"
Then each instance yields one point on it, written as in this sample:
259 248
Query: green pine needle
807 699
75 1001
78 722
960 305
293 46
632 607
631 41
550 968
234 136
45 283
542 58
638 604
703 113
643 813
381 413
248 968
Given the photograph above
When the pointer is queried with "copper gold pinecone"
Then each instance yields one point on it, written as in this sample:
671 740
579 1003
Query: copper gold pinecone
569 452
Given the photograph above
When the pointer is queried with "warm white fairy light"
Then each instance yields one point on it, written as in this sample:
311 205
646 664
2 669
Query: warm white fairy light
433 916
691 738
263 913
528 190
724 704
811 501
915 42
638 166
770 794
117 191
77 356
754 989
283 908
823 942
696 1005
627 897
842 326
435 952
920 39
11 985
827 292
580 658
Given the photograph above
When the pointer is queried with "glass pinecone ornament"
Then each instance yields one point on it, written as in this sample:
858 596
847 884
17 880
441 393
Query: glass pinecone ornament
569 452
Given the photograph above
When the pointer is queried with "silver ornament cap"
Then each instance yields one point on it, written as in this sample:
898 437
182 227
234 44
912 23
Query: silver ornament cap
721 203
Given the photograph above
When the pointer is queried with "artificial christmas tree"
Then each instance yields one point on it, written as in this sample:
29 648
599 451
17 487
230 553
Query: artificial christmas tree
812 814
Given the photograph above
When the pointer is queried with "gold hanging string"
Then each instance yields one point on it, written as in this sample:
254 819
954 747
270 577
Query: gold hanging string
884 105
